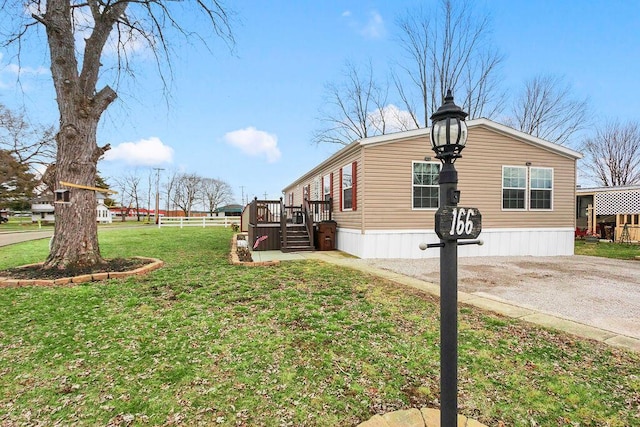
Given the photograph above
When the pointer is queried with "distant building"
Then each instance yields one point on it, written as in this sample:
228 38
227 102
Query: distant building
605 211
43 209
102 211
229 210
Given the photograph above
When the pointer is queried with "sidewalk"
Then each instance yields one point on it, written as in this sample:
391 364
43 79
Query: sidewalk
11 237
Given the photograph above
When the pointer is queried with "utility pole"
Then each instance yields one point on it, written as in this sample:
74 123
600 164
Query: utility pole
157 212
265 195
242 197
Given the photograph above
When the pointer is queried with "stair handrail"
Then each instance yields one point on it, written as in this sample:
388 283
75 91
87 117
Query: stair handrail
253 216
283 224
308 221
253 212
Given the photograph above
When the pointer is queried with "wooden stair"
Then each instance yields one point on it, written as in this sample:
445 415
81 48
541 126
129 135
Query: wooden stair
297 239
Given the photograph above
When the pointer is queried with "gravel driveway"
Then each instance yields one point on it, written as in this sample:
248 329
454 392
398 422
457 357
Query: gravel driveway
599 292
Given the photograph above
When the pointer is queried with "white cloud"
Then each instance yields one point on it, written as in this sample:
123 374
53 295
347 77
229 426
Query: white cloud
391 119
374 28
255 143
20 71
12 73
146 152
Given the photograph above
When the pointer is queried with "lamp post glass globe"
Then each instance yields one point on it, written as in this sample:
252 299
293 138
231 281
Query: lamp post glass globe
449 131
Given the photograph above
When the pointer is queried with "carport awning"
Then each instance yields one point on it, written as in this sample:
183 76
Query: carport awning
619 202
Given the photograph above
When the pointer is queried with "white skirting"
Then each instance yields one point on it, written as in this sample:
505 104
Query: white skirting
497 242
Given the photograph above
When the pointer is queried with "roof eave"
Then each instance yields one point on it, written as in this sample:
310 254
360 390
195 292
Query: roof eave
425 132
523 136
342 152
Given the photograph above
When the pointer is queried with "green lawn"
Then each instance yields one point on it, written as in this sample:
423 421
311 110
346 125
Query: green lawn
607 250
25 224
21 224
303 343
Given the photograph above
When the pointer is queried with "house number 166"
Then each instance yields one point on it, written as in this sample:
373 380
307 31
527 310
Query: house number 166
454 223
461 223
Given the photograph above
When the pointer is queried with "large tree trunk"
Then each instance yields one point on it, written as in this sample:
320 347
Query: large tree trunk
75 242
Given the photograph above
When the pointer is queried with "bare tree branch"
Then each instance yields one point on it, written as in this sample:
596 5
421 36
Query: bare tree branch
32 145
613 154
352 109
130 190
186 192
215 192
448 49
545 108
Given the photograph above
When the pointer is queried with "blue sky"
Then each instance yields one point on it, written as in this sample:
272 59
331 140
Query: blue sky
247 117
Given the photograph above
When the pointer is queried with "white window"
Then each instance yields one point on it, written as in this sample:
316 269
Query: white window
347 187
514 187
541 188
315 194
326 187
527 188
426 192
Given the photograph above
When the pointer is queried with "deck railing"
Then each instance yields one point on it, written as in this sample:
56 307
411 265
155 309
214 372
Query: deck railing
283 225
275 214
306 209
265 211
199 221
320 210
293 214
265 218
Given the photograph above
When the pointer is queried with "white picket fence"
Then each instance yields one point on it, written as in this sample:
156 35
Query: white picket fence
200 221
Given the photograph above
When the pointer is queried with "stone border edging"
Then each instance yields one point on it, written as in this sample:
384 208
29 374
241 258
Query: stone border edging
155 263
235 260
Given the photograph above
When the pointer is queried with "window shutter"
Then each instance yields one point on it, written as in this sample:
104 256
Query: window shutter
354 186
341 191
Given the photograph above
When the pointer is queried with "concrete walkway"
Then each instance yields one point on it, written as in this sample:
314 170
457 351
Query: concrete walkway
11 237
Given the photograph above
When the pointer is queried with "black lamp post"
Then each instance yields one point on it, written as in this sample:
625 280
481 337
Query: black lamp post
448 138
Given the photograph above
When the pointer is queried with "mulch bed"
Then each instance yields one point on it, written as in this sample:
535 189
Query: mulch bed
35 271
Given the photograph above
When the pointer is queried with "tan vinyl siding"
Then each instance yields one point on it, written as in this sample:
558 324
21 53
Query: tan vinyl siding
388 197
346 219
388 174
480 176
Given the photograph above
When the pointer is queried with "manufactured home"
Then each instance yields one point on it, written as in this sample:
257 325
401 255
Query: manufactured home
611 213
382 193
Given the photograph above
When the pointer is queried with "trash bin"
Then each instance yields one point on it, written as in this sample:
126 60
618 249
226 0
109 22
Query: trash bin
326 240
297 217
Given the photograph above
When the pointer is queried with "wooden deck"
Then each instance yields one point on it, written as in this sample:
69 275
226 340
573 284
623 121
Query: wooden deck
276 226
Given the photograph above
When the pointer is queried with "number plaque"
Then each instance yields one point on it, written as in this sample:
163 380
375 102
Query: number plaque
454 223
